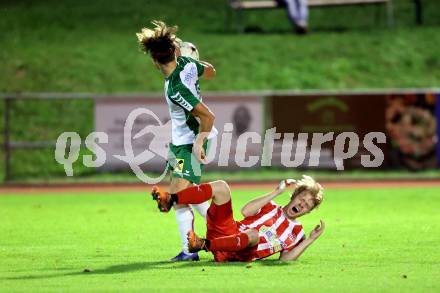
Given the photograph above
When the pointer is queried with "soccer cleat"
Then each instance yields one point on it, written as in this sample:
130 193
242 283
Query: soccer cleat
195 243
183 256
163 199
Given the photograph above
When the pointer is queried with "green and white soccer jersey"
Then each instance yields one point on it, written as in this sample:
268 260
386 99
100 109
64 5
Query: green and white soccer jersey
182 93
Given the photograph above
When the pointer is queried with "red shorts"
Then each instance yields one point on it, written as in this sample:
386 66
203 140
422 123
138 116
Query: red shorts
220 223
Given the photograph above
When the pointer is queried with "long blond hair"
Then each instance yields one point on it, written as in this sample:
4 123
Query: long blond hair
159 41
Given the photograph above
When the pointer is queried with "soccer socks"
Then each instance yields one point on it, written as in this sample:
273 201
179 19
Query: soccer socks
231 243
193 195
197 196
202 208
185 223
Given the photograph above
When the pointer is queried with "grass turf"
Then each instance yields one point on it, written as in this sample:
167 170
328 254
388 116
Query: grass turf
88 46
381 240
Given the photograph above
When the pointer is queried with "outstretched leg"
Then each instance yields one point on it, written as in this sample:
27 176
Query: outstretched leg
230 243
217 190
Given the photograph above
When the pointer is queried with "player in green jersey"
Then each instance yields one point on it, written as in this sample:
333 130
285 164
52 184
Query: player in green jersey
192 121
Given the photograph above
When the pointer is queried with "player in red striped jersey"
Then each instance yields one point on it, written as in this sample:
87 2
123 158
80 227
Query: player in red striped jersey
266 229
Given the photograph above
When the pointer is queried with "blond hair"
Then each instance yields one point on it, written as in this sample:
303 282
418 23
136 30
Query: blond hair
309 184
159 41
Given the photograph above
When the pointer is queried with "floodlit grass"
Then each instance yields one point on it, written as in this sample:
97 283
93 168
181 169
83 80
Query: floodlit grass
379 240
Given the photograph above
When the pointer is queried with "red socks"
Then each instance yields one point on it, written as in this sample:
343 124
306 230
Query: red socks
194 195
231 243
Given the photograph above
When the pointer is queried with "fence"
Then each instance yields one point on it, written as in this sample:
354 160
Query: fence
33 121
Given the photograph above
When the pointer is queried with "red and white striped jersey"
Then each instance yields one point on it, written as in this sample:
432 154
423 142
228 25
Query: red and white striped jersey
277 233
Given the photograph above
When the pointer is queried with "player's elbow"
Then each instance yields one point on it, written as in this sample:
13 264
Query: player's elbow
210 72
209 116
213 72
221 188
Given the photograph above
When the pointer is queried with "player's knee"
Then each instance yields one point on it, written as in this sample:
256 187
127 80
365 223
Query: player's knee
253 237
221 189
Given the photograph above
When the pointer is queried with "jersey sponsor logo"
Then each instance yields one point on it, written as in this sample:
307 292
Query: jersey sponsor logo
181 101
190 75
270 235
189 78
177 165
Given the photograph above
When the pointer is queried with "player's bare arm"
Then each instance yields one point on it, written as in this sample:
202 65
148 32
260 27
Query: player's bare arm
295 253
209 70
206 118
252 207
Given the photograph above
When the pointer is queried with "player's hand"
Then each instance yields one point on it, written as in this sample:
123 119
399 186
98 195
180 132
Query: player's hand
315 233
199 152
198 147
284 184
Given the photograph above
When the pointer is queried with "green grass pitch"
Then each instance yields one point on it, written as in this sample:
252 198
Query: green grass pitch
378 240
